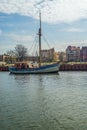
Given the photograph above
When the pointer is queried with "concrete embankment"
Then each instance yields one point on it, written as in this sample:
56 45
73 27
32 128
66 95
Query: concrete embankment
4 68
74 67
64 67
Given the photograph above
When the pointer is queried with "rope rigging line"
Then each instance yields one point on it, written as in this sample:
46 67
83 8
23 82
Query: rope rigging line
35 47
32 46
46 41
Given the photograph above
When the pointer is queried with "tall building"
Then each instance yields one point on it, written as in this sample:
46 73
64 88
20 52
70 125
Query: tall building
83 54
73 53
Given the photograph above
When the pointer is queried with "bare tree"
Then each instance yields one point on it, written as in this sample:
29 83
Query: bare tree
10 53
20 52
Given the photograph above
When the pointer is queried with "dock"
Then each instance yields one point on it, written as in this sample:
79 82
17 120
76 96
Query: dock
4 68
63 67
73 67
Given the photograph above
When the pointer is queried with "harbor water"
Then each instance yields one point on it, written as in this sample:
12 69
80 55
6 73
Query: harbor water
43 102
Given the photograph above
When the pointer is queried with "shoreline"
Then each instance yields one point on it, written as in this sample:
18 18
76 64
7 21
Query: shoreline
69 66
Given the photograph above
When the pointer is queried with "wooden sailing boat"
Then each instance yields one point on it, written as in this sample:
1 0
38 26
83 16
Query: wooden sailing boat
25 69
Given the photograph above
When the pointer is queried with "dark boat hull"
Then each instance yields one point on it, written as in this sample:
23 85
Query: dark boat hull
53 68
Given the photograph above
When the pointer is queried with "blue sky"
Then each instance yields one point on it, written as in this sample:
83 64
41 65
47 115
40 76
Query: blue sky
64 22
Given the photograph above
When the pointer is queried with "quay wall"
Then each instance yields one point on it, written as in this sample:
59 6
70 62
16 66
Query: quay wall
63 67
4 68
73 67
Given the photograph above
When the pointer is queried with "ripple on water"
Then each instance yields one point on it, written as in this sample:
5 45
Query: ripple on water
43 102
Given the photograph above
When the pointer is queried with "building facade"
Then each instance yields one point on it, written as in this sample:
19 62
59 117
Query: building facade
83 54
8 59
73 54
47 55
1 57
62 56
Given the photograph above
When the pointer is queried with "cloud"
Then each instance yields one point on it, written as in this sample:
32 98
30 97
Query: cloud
69 43
19 38
53 11
0 32
9 25
4 47
73 30
12 39
15 38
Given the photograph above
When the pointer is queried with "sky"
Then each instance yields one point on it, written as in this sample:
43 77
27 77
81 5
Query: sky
64 23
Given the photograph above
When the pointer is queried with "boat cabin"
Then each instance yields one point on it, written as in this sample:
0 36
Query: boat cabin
21 65
25 65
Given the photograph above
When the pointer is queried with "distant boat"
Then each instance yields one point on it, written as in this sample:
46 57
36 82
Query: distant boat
24 68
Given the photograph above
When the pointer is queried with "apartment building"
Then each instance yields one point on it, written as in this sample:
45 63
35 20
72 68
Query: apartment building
83 54
73 53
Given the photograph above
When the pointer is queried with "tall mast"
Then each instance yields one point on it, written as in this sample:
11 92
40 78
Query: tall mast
40 40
